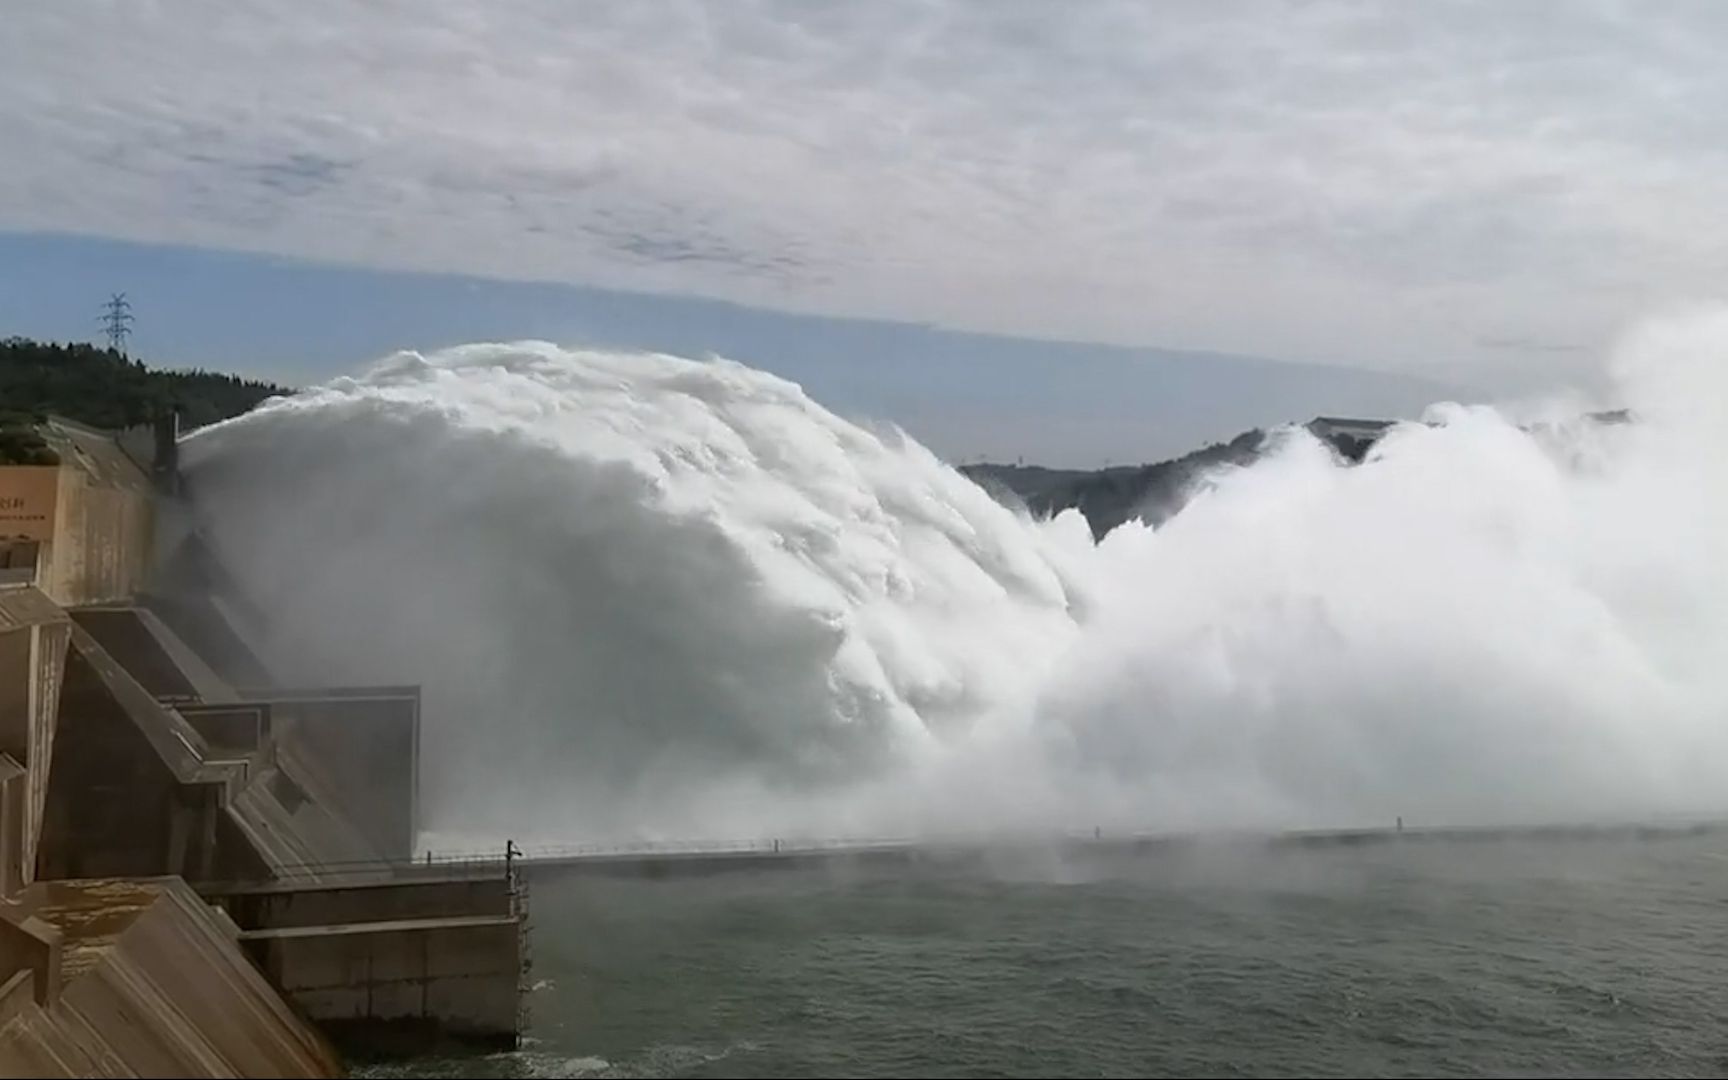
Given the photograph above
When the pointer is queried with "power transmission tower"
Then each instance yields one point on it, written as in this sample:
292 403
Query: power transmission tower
116 320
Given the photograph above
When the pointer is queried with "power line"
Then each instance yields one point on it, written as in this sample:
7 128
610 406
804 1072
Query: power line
116 320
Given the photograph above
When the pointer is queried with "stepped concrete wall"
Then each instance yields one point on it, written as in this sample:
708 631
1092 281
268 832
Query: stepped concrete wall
276 906
153 983
139 790
130 791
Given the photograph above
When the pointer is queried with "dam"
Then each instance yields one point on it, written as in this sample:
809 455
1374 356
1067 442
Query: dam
205 871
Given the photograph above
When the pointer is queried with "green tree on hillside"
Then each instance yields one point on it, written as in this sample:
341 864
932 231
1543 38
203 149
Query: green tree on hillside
101 388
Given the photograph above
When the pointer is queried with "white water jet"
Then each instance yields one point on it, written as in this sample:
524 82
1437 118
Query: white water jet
650 596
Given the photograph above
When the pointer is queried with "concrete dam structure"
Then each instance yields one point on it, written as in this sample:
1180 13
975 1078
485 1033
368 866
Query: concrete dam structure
204 872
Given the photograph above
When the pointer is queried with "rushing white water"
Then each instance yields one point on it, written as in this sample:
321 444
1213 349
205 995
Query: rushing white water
649 596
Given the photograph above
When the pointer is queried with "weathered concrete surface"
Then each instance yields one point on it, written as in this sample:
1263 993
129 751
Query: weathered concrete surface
280 905
136 790
356 748
125 754
380 964
34 632
153 654
16 994
204 784
153 984
387 965
101 542
33 948
28 497
231 731
14 804
359 748
457 976
292 828
353 751
195 595
130 791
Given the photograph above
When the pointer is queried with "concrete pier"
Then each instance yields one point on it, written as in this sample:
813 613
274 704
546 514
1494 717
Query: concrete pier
385 962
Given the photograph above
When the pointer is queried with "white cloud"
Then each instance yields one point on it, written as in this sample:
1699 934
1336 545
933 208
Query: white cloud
1386 183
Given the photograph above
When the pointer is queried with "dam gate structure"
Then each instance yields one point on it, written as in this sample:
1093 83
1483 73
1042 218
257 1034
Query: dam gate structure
225 860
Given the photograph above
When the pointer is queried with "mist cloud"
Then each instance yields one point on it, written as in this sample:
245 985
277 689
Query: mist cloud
654 597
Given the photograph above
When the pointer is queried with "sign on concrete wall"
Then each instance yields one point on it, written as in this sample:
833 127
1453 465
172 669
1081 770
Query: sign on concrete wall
27 497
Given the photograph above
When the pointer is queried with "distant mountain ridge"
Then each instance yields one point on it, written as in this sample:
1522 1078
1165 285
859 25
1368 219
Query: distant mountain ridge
1110 496
1154 493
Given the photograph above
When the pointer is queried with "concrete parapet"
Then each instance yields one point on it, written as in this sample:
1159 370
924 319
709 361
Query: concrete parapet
281 905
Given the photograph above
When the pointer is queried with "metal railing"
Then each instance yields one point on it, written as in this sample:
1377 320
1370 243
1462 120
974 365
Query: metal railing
647 849
501 862
507 861
363 872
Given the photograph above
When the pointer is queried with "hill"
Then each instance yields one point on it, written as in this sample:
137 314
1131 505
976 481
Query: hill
1109 497
1154 493
101 388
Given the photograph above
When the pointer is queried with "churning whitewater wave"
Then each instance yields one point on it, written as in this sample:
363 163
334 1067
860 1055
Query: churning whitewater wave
648 596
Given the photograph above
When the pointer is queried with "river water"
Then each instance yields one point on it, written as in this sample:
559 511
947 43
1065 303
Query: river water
1416 958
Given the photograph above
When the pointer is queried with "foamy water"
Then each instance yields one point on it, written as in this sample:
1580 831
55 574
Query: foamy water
655 597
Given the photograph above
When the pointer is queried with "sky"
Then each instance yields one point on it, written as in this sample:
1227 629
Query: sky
1479 194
